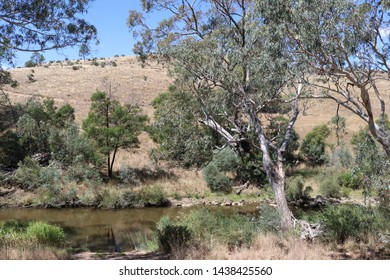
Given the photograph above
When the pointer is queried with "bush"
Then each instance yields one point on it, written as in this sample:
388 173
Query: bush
171 237
313 145
350 221
330 187
296 189
127 175
29 64
216 180
215 173
45 233
350 180
150 196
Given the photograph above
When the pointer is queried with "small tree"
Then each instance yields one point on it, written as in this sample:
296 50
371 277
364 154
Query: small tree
113 126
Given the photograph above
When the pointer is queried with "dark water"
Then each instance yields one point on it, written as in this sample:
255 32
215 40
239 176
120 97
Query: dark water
106 230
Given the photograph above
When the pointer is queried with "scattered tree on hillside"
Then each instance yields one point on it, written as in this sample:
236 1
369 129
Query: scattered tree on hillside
236 68
113 126
346 46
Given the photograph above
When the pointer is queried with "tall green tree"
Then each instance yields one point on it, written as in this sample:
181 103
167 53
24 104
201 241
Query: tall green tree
345 46
113 126
236 68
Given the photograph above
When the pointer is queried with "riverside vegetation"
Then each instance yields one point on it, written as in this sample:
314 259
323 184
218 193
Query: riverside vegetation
232 132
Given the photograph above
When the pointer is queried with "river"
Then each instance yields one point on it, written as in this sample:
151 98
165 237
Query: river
99 230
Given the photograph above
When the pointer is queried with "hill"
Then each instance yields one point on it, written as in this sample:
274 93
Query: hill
74 82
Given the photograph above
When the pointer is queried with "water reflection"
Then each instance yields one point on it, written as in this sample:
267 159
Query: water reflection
105 230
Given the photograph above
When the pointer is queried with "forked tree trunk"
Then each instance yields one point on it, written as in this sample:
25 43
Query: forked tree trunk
275 174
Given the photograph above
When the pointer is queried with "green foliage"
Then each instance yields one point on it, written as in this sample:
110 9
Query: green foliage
350 221
296 189
216 180
70 148
181 138
11 152
371 164
113 126
37 121
313 145
350 180
338 183
38 26
45 233
215 173
29 64
207 226
149 196
28 174
251 168
37 232
170 236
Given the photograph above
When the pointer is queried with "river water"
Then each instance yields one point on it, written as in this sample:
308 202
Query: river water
107 230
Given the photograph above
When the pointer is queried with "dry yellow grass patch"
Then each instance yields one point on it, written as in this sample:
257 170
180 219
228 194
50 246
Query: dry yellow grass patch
273 247
31 253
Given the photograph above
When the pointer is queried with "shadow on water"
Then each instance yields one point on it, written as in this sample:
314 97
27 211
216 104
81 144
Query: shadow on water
99 230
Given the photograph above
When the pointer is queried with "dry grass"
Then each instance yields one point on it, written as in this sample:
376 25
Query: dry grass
264 247
31 253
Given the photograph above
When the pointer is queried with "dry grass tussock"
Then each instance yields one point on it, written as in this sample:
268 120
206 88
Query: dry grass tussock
31 253
265 247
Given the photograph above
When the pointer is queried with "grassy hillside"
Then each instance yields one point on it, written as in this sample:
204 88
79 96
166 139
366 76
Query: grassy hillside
74 82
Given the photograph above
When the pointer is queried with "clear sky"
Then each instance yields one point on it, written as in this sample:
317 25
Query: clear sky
109 17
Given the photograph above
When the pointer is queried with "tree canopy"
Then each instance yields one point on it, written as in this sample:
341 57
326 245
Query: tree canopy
36 25
113 126
235 66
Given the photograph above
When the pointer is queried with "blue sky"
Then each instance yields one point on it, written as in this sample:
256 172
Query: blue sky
109 17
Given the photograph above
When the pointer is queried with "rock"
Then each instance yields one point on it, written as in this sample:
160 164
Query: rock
226 203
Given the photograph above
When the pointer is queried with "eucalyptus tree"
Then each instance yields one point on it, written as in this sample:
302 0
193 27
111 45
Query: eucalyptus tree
237 68
345 45
34 25
113 126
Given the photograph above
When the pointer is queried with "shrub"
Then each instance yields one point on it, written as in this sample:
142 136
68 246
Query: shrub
330 187
150 196
45 233
127 175
350 180
110 198
215 173
29 64
350 221
296 189
18 232
313 145
371 164
170 236
216 180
